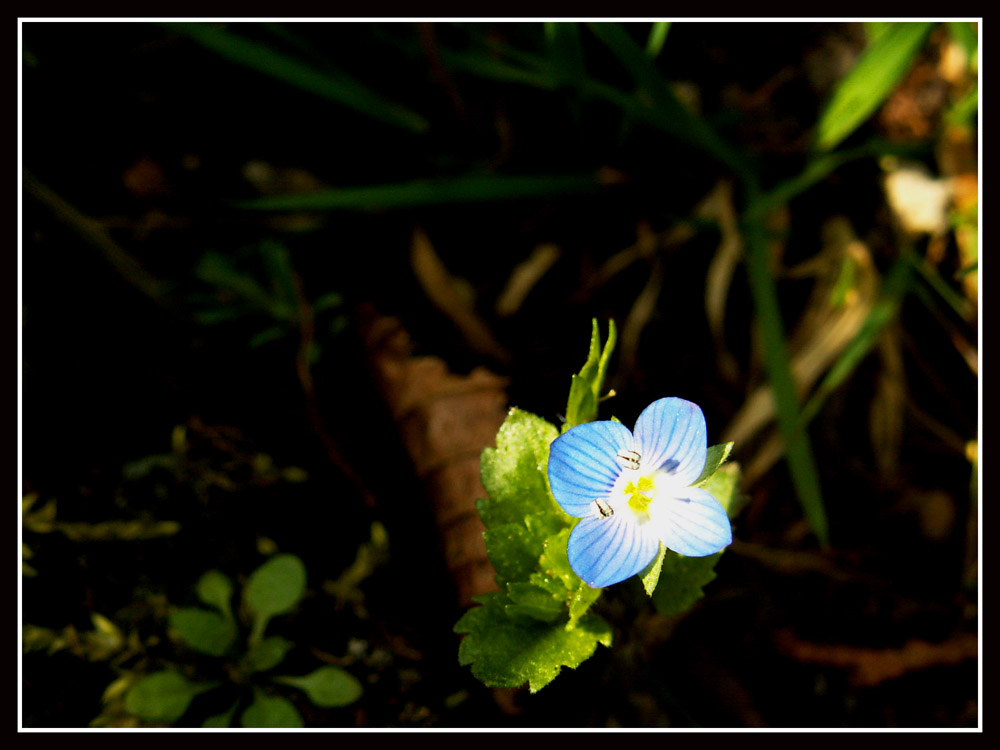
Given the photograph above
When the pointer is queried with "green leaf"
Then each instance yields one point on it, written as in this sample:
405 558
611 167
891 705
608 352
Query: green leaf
271 712
882 66
515 473
215 589
798 447
204 631
514 548
529 600
508 653
273 589
163 696
585 387
681 582
456 190
554 564
267 653
335 86
221 721
651 575
724 486
717 454
327 686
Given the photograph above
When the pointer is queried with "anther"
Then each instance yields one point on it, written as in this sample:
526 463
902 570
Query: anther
604 509
629 459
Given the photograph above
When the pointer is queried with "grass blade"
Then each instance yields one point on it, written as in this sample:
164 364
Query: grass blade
471 189
671 114
798 449
876 74
337 87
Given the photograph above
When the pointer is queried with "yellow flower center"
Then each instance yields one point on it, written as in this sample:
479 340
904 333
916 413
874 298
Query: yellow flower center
640 494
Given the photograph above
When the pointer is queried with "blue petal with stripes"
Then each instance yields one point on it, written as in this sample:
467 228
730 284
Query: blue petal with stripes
603 551
671 434
692 523
583 465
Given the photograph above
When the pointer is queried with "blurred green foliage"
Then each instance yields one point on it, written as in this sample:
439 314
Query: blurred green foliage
275 588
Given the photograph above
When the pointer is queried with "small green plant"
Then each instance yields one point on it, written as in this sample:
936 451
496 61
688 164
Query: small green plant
561 525
274 589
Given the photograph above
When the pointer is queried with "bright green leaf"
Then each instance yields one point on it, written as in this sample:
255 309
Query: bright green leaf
327 686
515 473
271 712
529 600
508 653
163 696
651 575
204 631
514 548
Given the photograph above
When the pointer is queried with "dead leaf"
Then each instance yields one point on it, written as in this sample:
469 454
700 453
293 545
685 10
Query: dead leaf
445 420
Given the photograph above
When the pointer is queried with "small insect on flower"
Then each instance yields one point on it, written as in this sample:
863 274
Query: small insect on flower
633 491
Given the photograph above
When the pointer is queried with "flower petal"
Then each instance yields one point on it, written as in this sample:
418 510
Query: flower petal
603 551
670 434
583 464
692 523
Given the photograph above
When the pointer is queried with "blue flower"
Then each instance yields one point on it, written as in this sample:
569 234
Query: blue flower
633 491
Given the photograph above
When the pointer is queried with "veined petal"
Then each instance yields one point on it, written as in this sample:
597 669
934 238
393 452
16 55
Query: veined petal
670 434
692 523
603 551
583 464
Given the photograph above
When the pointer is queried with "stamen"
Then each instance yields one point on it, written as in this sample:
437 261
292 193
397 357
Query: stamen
629 459
604 509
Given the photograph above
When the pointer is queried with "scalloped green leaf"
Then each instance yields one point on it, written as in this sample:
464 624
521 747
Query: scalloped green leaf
515 473
529 600
327 686
504 652
514 548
